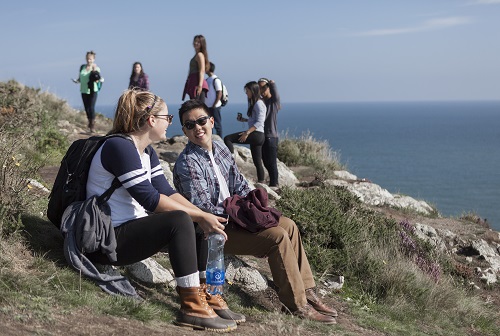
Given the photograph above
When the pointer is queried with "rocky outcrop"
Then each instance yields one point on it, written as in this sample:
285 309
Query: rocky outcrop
477 251
372 194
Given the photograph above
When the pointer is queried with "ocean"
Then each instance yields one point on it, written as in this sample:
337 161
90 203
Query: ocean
446 153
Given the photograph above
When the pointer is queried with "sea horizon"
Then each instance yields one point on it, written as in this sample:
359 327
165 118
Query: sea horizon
442 152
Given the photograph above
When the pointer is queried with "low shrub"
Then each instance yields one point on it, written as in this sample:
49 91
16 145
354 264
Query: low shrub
28 137
385 265
307 151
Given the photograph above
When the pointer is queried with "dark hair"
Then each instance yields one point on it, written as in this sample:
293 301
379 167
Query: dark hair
192 104
133 67
203 48
91 53
133 110
254 89
212 67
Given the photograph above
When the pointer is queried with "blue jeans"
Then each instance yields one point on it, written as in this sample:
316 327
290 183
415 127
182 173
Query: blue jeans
215 112
270 159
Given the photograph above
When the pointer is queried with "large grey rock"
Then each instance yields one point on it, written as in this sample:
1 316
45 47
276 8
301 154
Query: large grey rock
150 271
373 194
248 277
429 234
488 276
488 253
286 177
345 175
169 156
167 171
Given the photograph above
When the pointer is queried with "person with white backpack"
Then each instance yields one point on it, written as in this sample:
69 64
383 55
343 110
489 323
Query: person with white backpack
214 97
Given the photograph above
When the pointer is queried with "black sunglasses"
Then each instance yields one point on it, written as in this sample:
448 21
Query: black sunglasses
168 117
200 121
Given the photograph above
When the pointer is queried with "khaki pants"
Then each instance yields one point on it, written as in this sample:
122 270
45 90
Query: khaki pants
286 257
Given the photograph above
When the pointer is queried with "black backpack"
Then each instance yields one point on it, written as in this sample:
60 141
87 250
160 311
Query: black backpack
71 180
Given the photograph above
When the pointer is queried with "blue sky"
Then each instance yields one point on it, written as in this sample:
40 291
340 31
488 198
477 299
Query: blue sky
317 51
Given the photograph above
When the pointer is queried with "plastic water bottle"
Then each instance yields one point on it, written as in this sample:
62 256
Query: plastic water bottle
215 265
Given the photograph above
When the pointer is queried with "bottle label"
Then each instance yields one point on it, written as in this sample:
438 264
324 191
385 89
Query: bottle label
215 277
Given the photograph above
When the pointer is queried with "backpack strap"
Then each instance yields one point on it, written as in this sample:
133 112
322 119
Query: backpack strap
213 83
116 183
107 194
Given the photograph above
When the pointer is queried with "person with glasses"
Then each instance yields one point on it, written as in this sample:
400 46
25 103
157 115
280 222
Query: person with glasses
206 174
254 135
196 86
147 214
271 98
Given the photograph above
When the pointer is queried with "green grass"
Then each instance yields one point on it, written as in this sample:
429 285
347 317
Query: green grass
398 282
393 285
307 151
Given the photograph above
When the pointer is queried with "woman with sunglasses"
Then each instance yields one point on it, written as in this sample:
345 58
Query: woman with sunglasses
254 135
196 86
147 214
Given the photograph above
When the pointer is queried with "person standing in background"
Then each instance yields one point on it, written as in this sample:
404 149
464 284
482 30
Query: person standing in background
89 87
271 98
196 86
254 135
138 79
214 96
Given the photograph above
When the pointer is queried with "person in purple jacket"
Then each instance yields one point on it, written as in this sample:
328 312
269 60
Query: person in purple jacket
139 80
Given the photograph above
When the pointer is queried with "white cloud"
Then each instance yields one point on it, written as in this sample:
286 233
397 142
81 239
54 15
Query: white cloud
484 2
428 25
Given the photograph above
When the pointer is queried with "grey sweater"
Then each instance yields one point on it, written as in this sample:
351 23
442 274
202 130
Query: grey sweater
87 227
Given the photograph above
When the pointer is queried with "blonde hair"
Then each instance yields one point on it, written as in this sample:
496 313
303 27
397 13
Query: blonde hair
133 110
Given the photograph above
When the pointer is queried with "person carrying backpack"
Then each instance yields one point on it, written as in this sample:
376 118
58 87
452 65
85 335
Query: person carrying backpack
147 214
214 97
90 82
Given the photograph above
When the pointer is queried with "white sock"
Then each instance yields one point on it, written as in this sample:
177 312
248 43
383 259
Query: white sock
203 275
190 280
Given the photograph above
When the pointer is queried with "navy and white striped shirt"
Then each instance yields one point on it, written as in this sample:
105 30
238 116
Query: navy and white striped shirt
141 176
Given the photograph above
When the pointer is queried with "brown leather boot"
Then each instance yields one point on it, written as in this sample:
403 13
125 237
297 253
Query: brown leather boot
197 314
318 305
309 313
220 307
